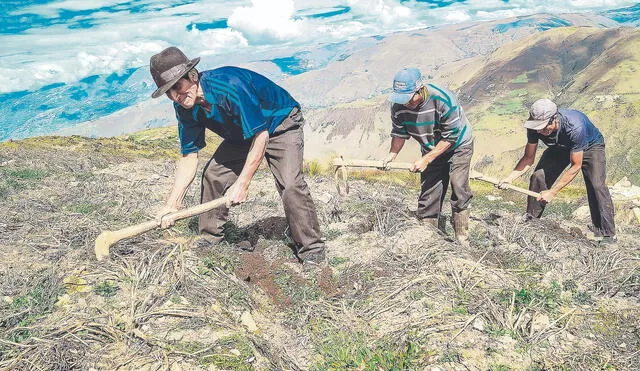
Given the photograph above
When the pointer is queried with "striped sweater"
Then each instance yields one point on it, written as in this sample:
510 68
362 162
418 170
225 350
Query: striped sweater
439 117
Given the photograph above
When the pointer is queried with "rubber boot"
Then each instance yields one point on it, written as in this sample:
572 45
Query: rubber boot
438 223
460 221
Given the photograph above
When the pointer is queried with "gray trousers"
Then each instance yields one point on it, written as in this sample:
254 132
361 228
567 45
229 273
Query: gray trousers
284 156
449 167
594 170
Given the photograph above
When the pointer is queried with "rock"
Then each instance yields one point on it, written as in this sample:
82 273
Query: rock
247 320
235 352
539 323
63 301
623 183
493 198
636 213
582 213
624 190
175 336
478 324
325 197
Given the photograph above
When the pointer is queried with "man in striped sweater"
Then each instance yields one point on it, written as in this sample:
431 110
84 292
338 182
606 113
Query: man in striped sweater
432 115
256 119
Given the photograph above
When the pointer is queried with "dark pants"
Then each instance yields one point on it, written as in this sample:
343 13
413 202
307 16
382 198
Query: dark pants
284 156
449 167
594 170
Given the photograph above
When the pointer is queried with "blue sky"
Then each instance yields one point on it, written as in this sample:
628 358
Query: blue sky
57 54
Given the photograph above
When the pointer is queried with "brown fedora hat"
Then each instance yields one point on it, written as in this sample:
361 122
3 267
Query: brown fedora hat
169 66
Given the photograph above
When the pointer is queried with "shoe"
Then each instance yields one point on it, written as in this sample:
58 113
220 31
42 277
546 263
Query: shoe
209 239
460 223
608 240
439 223
316 257
526 217
245 246
592 237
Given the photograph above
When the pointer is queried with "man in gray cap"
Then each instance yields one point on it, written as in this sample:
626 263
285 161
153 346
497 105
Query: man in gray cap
573 141
255 118
433 116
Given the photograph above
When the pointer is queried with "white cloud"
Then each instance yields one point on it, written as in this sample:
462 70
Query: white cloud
385 11
457 16
45 53
267 21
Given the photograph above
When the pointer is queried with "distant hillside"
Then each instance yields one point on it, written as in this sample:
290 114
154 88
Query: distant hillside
438 51
363 70
592 70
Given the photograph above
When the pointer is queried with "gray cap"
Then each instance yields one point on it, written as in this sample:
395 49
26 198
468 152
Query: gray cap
541 111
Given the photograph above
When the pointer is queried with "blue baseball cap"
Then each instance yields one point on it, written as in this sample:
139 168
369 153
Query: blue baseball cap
406 83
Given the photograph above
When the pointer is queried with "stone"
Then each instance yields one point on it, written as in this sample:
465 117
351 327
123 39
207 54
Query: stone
478 324
247 320
582 213
539 323
636 213
235 352
623 183
325 197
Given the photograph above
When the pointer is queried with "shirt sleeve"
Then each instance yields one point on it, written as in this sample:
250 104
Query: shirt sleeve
191 134
397 128
532 136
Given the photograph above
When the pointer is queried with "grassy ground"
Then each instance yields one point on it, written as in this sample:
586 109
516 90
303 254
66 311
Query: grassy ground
395 295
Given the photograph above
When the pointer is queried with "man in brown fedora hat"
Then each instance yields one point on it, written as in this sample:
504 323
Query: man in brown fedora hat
255 118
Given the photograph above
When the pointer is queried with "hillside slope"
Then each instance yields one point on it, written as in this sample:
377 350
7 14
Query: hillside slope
394 296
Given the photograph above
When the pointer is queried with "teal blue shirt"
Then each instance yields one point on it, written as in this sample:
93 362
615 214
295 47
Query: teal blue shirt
243 103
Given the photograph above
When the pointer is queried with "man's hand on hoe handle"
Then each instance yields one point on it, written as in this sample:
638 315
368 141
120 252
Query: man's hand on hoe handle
419 165
237 193
504 183
390 157
164 218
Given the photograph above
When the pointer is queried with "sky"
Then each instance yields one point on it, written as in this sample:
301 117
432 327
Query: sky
87 48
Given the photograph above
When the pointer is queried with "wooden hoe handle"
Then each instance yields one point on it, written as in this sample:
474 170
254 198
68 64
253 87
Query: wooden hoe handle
377 164
108 238
494 181
342 165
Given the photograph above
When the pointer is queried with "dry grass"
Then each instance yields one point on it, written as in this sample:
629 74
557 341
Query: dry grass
396 295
